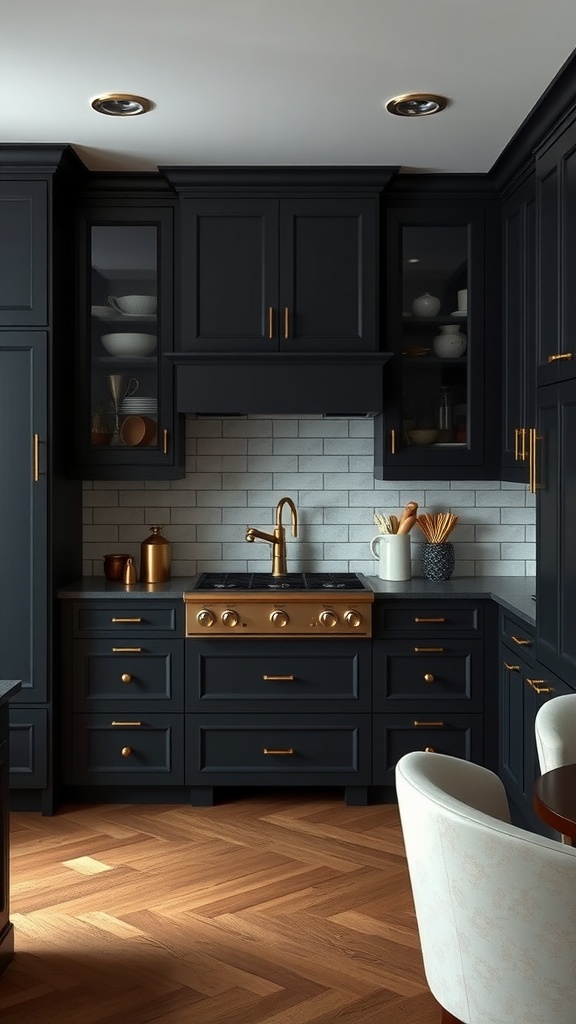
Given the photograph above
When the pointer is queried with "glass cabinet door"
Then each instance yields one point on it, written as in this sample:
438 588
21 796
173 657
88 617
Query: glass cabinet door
435 325
124 385
126 419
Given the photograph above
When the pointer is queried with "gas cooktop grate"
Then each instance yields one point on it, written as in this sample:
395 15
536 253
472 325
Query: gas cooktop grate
264 581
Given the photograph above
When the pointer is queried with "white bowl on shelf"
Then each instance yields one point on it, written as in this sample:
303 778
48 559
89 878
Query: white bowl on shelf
129 344
135 305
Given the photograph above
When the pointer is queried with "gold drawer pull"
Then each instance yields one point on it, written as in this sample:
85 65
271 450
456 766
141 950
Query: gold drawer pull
539 689
36 474
286 322
428 678
126 650
126 620
521 643
511 668
126 677
165 441
283 753
270 322
428 650
562 355
278 679
392 442
126 723
429 620
437 725
126 751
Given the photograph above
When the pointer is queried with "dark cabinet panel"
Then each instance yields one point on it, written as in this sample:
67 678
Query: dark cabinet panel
555 533
438 675
28 748
556 216
125 751
459 735
23 252
24 457
519 330
149 677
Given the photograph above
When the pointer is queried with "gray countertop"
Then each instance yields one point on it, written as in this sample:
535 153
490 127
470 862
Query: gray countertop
8 687
512 592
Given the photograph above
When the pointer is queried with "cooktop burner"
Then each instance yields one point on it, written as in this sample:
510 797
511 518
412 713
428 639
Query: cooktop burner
264 581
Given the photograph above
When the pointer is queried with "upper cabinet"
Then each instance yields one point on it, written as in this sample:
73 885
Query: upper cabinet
23 248
274 260
440 326
126 424
556 226
519 332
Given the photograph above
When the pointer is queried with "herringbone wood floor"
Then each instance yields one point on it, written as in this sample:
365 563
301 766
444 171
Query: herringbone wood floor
284 908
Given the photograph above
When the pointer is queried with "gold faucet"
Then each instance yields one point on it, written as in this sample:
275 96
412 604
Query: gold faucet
278 538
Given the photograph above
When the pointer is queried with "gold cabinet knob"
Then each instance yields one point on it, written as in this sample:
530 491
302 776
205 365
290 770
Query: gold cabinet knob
126 751
126 677
328 618
428 678
352 618
205 618
279 617
429 750
229 617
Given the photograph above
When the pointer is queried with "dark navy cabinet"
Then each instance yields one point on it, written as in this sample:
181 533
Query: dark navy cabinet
275 259
40 509
518 329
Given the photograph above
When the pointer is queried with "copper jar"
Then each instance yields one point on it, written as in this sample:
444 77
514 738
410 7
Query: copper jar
114 566
155 557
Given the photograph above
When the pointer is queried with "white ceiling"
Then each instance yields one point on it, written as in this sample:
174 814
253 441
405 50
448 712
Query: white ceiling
278 81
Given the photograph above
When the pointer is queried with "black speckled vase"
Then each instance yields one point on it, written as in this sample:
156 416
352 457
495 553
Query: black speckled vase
438 561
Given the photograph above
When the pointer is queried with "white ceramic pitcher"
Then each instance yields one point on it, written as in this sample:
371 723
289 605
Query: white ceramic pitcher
392 551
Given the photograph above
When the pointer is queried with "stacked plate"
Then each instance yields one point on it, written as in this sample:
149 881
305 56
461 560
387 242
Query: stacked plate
135 406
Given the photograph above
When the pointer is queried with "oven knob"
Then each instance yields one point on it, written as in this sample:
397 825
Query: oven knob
278 617
328 618
352 618
205 618
229 618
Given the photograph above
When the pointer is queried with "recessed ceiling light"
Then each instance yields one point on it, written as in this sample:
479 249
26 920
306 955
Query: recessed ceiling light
119 104
416 104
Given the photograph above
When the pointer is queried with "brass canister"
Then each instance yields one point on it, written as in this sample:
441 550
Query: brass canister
155 557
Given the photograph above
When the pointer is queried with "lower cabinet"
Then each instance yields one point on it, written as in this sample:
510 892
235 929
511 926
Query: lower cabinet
432 684
524 687
278 713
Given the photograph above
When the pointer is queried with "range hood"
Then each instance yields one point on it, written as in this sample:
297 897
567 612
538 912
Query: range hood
280 383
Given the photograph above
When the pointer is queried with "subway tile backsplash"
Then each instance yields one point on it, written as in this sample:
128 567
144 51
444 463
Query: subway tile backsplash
238 468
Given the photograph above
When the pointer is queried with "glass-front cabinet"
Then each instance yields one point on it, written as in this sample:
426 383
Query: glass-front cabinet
434 419
126 426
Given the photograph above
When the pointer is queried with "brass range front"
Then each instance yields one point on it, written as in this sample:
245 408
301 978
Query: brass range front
294 605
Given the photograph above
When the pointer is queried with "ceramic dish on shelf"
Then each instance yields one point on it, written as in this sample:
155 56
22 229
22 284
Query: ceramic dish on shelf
138 316
459 312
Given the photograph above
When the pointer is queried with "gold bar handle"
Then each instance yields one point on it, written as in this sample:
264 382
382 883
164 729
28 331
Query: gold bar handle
126 723
532 477
428 650
126 620
429 620
36 458
270 322
523 445
520 642
539 689
280 753
165 441
516 447
278 679
437 725
286 322
392 442
561 355
511 668
126 650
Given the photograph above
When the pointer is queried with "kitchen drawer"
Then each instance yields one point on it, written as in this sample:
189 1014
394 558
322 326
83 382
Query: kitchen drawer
28 748
428 618
439 673
127 618
275 675
320 750
141 750
518 635
120 675
396 735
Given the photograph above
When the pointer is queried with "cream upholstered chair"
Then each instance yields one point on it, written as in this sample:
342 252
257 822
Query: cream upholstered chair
495 904
555 728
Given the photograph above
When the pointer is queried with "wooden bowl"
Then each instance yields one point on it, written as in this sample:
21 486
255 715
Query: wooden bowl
423 436
138 430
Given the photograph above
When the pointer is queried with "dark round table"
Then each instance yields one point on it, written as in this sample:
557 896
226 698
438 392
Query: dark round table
554 799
